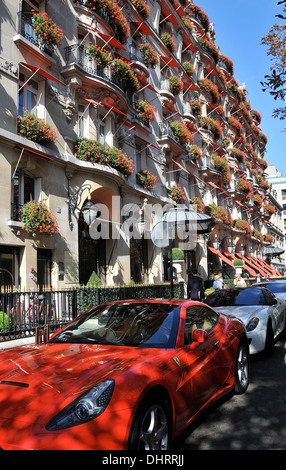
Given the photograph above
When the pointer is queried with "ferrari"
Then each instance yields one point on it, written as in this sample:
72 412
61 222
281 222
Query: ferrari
262 312
123 375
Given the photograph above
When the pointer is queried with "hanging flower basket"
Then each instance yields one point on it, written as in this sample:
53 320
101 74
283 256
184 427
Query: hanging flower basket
46 30
146 179
142 8
35 129
145 111
177 194
201 16
168 41
92 151
210 47
150 56
125 75
181 133
176 85
37 218
188 23
101 56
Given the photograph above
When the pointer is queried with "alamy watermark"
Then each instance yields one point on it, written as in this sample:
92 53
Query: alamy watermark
160 223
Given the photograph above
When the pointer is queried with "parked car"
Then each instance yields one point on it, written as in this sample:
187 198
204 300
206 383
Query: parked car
123 375
276 287
263 313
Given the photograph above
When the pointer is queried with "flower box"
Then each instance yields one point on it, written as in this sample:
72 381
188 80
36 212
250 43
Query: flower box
94 152
176 85
145 111
168 41
214 126
142 7
125 75
146 179
112 13
101 56
46 31
151 58
199 203
209 87
177 194
36 218
196 107
222 165
195 152
35 129
181 133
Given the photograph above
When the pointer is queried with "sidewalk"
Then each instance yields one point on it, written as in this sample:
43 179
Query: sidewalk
17 343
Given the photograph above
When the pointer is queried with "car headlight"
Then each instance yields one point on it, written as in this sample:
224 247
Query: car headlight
84 408
252 324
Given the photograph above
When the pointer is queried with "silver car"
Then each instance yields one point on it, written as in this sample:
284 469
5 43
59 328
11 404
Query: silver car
262 312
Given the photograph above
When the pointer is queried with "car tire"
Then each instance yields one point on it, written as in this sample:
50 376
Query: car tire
269 340
241 370
151 428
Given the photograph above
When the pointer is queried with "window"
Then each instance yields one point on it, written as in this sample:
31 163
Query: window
101 129
199 316
25 188
83 121
28 95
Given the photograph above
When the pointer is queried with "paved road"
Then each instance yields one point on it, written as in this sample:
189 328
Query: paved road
253 421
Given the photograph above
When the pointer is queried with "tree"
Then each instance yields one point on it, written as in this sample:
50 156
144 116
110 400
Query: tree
275 82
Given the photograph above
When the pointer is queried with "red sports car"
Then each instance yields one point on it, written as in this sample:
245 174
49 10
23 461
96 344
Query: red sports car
124 375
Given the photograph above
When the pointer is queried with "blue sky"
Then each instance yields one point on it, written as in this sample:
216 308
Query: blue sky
239 26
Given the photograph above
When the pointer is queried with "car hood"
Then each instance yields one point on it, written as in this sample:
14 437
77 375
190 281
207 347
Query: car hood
244 313
33 380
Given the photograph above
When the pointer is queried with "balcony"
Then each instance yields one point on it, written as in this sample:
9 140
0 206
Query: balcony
78 63
27 32
168 141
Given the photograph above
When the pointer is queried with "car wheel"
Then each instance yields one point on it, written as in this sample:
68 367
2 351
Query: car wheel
151 429
269 341
242 370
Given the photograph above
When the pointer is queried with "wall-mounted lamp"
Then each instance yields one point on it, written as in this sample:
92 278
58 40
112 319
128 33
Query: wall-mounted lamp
74 200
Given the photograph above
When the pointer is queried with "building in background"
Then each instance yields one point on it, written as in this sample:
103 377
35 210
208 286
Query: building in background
113 103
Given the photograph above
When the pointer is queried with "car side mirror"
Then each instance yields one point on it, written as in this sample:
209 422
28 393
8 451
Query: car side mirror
199 335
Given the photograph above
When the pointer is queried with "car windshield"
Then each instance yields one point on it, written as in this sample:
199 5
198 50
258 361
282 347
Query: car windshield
232 297
143 324
276 287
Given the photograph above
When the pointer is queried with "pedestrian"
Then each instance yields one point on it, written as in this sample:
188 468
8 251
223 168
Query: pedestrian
195 287
239 281
183 283
218 282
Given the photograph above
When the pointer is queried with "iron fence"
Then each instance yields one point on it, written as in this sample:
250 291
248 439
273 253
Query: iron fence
22 314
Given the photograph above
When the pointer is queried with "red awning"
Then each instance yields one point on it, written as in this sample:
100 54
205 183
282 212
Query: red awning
42 72
170 61
179 165
220 255
169 17
139 25
145 84
210 71
189 45
190 86
112 108
107 38
180 10
126 123
214 185
250 266
149 143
